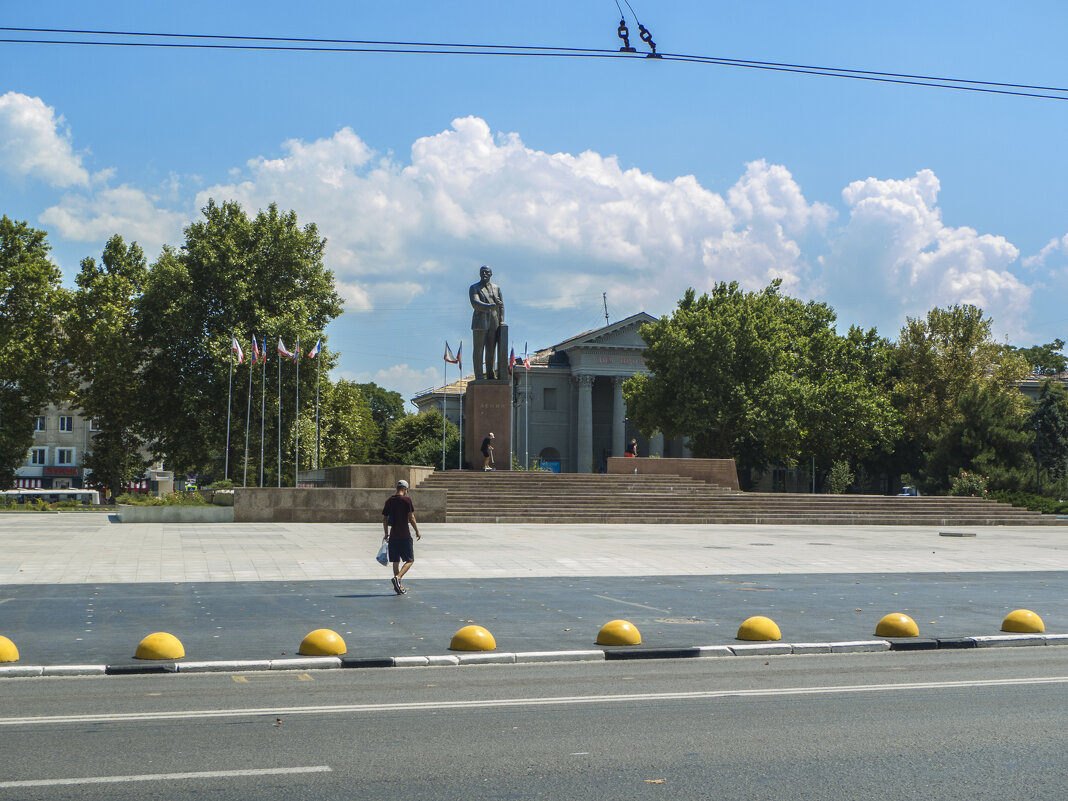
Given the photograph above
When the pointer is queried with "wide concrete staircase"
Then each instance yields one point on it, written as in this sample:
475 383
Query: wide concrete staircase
536 497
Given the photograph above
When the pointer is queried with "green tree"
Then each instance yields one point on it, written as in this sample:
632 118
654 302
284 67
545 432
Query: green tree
234 276
106 356
939 358
348 431
386 407
1045 359
762 378
416 439
1049 422
32 304
988 436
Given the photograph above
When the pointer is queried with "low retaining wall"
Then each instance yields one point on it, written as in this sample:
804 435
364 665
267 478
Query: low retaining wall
329 505
365 476
721 472
175 514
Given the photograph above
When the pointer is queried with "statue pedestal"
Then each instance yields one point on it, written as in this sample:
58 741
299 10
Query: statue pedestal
488 407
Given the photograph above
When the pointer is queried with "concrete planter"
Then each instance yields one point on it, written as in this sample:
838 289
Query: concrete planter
175 514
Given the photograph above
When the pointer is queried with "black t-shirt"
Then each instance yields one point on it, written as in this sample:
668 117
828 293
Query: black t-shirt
399 506
486 446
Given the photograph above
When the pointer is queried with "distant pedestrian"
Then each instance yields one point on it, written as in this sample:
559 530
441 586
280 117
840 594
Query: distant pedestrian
398 522
632 448
487 451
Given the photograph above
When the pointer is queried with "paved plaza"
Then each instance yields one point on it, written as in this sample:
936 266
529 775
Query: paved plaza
79 588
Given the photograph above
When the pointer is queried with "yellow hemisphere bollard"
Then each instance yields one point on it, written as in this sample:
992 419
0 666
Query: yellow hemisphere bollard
619 632
322 642
160 645
759 628
472 638
8 651
897 625
1023 621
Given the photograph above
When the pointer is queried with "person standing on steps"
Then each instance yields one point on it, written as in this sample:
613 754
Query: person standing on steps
398 522
487 451
632 448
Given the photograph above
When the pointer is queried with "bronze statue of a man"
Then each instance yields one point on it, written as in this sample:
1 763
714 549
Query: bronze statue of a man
486 322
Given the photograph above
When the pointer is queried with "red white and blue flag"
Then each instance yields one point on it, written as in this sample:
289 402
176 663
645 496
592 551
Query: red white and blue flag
255 352
235 346
282 349
511 360
315 351
450 357
526 356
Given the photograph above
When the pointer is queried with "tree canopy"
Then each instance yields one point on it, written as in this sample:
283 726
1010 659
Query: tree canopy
32 306
762 378
233 276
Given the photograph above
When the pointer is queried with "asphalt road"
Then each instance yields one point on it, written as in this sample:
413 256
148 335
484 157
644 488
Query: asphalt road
986 724
102 623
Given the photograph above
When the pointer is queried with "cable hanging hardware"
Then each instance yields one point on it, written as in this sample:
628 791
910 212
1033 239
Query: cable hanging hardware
623 33
648 39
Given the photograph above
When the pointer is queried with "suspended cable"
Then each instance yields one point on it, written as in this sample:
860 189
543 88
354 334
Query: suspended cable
445 48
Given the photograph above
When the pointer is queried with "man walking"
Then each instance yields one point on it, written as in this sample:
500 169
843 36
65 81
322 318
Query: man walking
397 515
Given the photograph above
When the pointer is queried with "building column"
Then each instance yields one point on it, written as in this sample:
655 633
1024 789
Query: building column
656 445
619 417
584 424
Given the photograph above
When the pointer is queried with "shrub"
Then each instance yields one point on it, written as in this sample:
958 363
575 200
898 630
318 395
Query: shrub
1028 500
173 499
839 478
968 484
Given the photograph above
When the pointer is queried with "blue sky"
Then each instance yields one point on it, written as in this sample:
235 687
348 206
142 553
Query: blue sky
570 177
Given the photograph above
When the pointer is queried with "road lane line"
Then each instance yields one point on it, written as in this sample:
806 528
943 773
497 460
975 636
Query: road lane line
566 700
156 777
631 603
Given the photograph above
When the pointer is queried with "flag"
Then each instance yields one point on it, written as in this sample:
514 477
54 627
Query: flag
315 351
255 351
282 349
526 356
449 356
263 353
511 360
459 358
235 346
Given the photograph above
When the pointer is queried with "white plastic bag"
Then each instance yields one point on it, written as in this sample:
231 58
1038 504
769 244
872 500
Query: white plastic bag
383 553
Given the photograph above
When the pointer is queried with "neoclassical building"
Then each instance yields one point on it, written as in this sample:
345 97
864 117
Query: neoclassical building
568 412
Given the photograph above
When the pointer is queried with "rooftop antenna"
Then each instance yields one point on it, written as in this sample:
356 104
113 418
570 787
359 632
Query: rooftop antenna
604 297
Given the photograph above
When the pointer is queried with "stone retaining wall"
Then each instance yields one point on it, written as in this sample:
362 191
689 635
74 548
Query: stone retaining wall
721 472
329 505
365 476
175 514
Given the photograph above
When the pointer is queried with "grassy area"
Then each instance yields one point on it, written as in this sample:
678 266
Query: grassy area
1028 500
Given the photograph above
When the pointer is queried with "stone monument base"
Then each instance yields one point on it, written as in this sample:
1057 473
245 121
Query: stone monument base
488 407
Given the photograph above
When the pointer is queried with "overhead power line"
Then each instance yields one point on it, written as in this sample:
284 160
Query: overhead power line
142 39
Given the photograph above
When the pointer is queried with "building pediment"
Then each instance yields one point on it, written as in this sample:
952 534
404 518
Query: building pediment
620 335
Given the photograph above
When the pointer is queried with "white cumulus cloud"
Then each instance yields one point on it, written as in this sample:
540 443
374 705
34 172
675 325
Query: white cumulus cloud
35 143
895 257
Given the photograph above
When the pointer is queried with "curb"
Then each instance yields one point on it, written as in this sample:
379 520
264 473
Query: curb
620 653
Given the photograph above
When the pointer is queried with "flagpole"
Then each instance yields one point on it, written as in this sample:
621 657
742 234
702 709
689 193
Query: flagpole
248 421
296 449
280 418
444 408
263 406
460 395
229 392
526 402
318 372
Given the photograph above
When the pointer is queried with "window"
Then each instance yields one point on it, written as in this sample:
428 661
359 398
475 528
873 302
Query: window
66 423
64 455
38 455
548 399
40 424
94 424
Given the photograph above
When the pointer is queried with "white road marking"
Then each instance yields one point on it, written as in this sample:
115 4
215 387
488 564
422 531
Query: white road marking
631 603
155 777
5 600
565 700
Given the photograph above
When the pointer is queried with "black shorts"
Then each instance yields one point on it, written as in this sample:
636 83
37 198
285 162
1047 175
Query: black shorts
402 550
